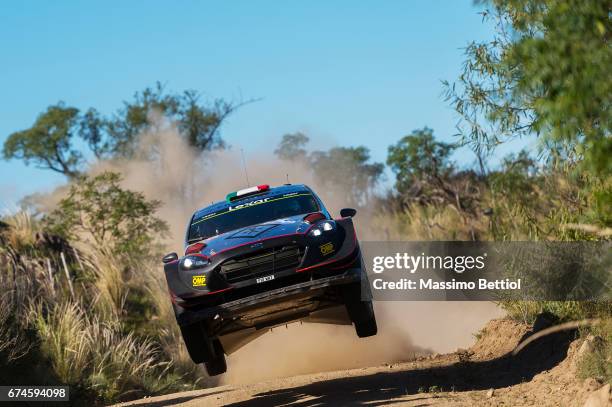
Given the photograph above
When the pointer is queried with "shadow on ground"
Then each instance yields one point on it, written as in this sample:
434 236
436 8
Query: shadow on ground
381 388
182 399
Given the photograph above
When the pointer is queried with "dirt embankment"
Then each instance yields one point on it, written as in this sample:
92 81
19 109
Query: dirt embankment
542 374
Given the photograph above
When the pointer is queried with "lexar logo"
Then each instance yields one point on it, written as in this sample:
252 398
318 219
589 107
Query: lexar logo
257 202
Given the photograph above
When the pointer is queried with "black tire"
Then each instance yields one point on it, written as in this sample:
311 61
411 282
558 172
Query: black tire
360 312
367 327
217 365
199 346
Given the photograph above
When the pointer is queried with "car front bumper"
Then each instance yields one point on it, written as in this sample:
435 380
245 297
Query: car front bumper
303 298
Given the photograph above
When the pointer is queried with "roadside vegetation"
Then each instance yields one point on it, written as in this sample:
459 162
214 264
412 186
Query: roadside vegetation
86 312
83 299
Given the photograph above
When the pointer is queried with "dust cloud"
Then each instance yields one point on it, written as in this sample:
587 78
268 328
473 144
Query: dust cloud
167 169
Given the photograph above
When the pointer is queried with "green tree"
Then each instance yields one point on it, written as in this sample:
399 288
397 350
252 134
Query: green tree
92 130
49 142
419 156
517 180
347 172
545 72
99 210
201 123
135 117
198 122
291 147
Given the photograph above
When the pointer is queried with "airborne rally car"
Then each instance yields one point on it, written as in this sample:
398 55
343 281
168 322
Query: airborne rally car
262 258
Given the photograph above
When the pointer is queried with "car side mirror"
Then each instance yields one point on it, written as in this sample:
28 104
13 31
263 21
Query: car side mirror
170 257
348 212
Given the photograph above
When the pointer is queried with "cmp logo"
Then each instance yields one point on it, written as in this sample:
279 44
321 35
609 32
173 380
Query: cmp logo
327 248
198 281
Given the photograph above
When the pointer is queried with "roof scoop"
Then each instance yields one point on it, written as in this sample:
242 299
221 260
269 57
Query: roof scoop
195 248
313 217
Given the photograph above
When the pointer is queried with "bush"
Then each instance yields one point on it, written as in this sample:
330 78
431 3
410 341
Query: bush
113 336
98 210
597 363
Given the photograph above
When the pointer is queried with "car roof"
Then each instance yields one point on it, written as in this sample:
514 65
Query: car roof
273 191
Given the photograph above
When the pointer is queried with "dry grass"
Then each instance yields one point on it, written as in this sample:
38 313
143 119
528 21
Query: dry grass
86 352
425 223
110 285
14 344
62 331
598 362
22 231
85 338
19 286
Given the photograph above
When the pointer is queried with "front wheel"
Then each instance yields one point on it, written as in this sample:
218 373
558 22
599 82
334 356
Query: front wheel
360 312
367 325
217 365
199 346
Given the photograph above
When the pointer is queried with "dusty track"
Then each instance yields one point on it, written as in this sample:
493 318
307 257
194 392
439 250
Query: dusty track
542 374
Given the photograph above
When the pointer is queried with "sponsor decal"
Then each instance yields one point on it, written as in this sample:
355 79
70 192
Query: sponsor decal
264 279
198 281
245 205
327 248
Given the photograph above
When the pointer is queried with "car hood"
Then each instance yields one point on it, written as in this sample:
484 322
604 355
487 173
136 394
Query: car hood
255 233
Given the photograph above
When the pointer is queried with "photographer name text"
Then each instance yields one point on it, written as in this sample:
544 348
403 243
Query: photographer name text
430 284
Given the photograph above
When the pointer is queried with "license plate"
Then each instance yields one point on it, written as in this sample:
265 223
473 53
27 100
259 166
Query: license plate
264 279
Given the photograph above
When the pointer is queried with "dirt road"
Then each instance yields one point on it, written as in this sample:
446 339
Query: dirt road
543 374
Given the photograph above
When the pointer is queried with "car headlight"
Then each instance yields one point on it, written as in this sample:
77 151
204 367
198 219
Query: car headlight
194 262
325 226
315 232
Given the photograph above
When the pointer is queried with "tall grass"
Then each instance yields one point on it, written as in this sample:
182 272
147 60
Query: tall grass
555 205
14 344
428 222
598 362
22 231
20 281
62 331
110 283
88 340
95 355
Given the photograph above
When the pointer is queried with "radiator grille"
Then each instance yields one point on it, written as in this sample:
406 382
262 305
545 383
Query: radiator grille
261 263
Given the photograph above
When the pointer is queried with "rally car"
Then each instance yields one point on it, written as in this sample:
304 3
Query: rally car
261 258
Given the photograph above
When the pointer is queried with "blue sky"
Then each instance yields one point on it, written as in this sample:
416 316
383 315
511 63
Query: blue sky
346 73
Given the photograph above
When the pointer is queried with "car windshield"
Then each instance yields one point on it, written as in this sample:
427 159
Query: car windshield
239 215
